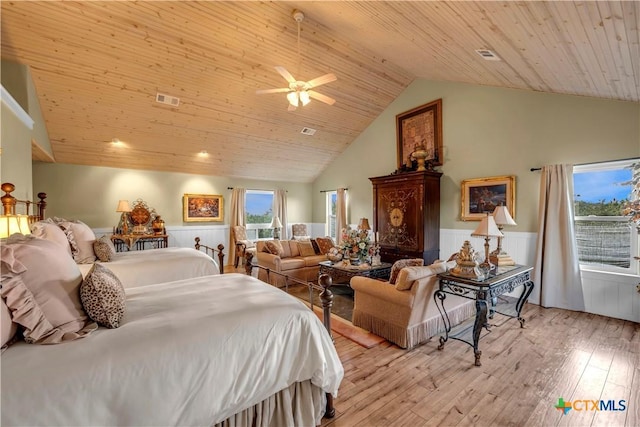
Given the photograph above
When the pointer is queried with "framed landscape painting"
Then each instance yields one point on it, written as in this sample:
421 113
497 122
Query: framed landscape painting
202 207
481 196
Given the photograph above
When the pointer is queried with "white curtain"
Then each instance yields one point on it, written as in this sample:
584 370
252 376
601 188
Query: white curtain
341 213
237 218
280 211
557 271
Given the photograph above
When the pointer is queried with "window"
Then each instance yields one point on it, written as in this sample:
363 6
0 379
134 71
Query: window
332 196
258 205
607 240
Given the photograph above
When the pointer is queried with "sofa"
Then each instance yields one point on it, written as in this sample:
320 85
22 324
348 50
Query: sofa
404 312
295 258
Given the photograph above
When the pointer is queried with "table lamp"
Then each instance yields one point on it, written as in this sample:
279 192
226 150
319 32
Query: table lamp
11 224
123 206
276 225
487 229
502 217
364 224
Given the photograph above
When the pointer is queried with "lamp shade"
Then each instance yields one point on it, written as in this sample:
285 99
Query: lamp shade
275 222
10 224
502 216
123 206
487 228
364 224
293 98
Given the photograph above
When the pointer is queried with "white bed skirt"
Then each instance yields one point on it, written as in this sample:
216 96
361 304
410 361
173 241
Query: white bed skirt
300 404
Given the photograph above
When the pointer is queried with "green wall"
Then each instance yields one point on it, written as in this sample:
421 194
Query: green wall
15 142
487 132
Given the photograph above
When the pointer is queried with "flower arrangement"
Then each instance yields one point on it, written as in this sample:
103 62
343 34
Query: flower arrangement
355 243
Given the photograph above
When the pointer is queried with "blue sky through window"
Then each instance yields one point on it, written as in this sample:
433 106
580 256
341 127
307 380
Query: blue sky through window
602 185
258 203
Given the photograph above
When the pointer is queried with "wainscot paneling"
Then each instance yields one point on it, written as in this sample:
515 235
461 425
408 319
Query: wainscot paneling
613 295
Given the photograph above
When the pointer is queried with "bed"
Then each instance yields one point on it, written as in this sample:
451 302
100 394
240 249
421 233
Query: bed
213 350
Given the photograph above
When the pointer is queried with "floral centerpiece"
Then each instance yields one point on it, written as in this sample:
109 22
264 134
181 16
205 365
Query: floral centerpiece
355 243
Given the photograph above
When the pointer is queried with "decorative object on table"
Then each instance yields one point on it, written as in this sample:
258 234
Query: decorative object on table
140 216
157 225
276 225
487 229
502 217
466 263
355 245
423 158
420 127
11 224
202 207
364 224
334 254
481 196
124 208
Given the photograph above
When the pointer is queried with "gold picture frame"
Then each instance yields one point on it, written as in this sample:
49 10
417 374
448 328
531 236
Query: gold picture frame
482 195
202 208
421 126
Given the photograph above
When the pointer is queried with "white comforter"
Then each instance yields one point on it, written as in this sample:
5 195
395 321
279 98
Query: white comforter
140 268
190 352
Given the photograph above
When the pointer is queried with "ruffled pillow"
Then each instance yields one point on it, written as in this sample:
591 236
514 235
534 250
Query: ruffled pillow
104 249
48 229
81 238
103 297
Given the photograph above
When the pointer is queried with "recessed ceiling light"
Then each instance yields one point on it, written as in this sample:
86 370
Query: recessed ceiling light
203 153
116 141
487 54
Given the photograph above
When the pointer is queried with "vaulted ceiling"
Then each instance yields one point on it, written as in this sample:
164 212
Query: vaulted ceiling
97 67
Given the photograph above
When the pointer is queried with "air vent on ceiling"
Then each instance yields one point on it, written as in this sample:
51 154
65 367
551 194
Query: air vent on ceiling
167 99
307 131
488 54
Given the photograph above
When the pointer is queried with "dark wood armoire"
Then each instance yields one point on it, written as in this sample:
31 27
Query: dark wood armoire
406 215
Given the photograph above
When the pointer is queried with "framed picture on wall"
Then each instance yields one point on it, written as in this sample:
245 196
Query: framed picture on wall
420 128
202 207
481 196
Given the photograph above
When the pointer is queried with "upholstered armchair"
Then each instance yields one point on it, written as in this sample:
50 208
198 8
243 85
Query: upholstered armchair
243 245
299 232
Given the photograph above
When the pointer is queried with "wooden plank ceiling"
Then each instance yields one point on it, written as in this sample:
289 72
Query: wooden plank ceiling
97 67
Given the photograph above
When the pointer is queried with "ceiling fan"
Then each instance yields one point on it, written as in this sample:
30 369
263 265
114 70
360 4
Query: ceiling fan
300 92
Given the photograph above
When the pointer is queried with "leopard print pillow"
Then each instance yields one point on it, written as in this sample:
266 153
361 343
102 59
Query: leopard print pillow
400 264
102 296
104 249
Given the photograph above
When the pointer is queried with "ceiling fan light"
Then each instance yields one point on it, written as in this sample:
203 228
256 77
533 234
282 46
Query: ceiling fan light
304 97
293 98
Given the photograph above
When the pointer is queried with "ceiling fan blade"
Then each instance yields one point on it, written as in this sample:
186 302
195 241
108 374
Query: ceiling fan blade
327 78
279 90
321 97
284 73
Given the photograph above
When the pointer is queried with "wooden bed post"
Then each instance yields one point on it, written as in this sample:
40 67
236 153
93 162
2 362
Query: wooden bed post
8 201
210 251
326 296
42 206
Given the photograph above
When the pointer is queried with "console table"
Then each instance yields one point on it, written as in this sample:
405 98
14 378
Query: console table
490 296
139 241
342 274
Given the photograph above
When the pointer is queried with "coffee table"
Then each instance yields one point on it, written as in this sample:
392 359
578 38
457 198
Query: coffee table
341 275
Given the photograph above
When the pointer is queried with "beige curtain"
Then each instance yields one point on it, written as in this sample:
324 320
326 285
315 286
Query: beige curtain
557 276
341 213
237 218
280 210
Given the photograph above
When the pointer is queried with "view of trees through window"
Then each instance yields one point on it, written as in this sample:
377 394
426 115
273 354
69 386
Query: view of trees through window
331 213
605 235
259 213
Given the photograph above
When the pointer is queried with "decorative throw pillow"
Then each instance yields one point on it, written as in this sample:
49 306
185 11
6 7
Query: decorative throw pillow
408 275
306 248
81 239
103 297
316 248
400 264
48 229
274 247
104 249
41 286
325 244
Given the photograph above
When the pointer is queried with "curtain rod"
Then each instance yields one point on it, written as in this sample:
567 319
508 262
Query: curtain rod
595 163
257 189
326 191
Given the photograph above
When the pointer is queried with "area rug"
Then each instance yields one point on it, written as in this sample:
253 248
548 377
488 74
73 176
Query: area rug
340 316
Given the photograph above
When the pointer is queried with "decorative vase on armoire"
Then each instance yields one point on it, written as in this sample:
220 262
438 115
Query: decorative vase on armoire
406 215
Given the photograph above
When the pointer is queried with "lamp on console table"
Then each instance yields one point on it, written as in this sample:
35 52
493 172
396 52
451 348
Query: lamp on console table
487 229
364 224
276 225
123 206
502 217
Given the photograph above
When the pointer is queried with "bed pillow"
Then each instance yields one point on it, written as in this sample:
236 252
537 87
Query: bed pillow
102 296
402 263
104 249
324 244
41 286
9 327
274 247
49 229
81 238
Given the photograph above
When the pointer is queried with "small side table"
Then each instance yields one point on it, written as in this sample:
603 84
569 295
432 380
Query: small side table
139 242
342 275
490 299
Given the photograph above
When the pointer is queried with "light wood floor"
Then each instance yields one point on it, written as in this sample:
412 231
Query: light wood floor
559 354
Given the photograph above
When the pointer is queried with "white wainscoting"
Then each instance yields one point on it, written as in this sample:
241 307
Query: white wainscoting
613 295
